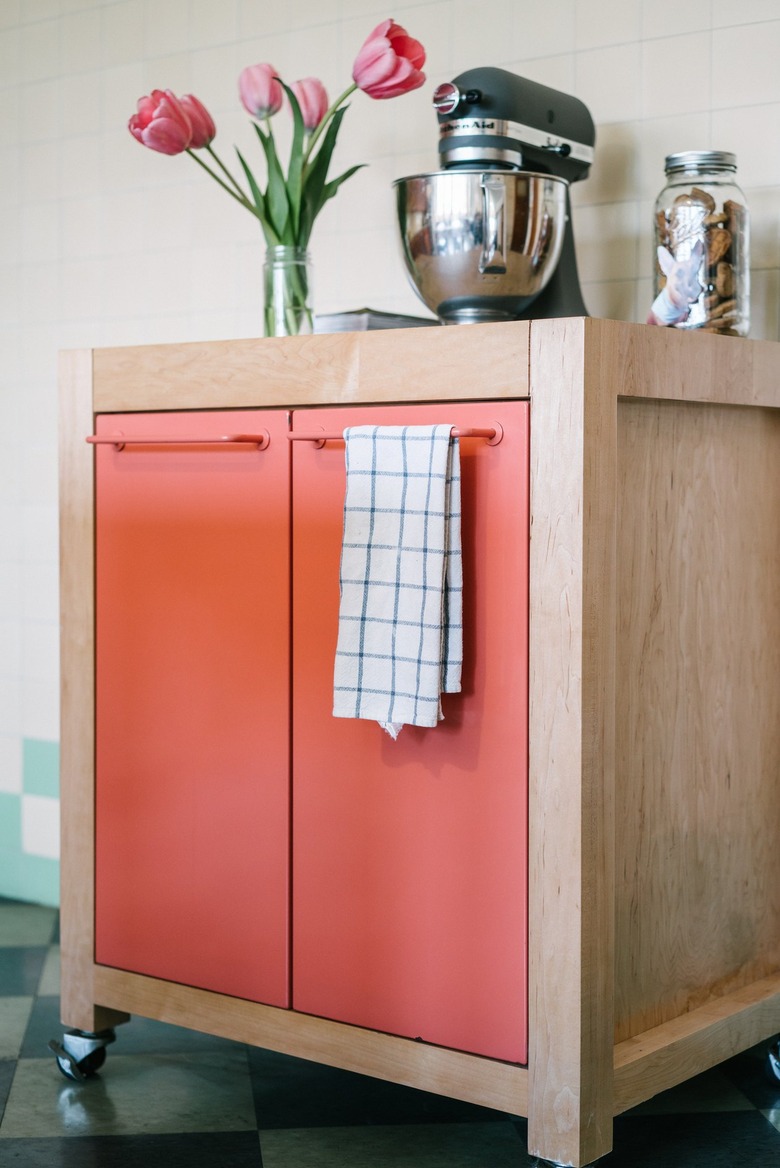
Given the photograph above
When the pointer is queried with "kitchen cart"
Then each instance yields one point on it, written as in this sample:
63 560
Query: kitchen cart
562 900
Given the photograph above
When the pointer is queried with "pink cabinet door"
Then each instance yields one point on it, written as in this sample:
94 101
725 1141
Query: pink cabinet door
192 811
409 857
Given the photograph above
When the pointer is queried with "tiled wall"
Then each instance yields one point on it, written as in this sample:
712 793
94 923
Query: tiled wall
103 242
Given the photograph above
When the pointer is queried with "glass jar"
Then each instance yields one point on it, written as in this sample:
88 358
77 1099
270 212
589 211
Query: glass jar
287 292
702 246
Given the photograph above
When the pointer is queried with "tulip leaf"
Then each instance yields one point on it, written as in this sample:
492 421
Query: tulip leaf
330 188
276 202
259 201
315 174
295 169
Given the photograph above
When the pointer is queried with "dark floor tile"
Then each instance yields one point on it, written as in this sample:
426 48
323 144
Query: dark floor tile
210 1150
748 1071
27 924
20 969
294 1093
138 1036
7 1067
743 1139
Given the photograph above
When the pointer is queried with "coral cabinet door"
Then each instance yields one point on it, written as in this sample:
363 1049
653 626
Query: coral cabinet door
192 701
409 857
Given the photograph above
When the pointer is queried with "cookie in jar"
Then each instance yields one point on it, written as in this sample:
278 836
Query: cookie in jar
702 246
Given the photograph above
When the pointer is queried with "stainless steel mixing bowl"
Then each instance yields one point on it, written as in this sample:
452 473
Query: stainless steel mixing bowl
480 245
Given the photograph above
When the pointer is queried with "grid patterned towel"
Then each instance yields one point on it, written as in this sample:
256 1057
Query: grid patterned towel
400 641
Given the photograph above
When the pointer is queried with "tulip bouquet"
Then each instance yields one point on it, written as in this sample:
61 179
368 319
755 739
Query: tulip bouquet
388 65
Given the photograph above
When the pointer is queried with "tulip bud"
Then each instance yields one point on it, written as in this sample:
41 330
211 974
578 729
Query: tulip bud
161 123
203 128
389 63
313 100
260 91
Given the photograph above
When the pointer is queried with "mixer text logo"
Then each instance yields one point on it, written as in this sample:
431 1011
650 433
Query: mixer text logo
468 126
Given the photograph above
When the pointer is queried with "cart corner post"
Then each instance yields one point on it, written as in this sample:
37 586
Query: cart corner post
571 745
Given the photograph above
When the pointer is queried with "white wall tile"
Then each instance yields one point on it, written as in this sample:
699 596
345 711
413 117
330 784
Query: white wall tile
607 82
122 32
665 18
726 13
213 24
745 65
10 764
40 708
540 31
10 649
607 22
81 41
676 75
750 130
41 826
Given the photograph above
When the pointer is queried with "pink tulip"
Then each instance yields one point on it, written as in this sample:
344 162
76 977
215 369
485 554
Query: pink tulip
161 123
312 99
260 91
389 62
203 128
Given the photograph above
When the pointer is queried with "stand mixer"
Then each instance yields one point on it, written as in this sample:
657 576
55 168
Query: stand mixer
489 236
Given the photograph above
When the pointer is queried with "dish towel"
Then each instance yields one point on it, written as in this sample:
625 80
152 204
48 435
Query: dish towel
400 638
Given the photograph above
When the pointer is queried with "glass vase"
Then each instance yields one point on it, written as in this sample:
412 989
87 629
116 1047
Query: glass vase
287 292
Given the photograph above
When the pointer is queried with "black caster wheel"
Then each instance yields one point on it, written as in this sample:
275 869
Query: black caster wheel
81 1055
773 1063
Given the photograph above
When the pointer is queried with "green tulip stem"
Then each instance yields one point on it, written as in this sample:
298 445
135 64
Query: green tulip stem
225 170
240 197
321 127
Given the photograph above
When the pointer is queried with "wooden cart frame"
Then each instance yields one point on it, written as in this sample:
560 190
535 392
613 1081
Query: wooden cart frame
654 751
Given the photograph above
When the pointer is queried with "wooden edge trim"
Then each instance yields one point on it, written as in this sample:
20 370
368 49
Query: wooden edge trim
399 1060
328 369
673 365
669 1054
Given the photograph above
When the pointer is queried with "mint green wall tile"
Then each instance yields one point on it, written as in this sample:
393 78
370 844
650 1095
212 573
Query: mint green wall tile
33 879
41 767
40 880
11 874
10 822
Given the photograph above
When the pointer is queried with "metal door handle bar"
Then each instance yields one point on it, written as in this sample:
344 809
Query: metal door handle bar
492 435
119 441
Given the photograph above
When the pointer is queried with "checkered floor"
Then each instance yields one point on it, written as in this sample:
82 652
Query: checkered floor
177 1098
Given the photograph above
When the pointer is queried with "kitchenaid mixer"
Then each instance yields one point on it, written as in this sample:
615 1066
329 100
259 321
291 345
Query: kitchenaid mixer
489 236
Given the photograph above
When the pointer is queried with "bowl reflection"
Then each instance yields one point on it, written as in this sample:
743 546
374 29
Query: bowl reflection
480 244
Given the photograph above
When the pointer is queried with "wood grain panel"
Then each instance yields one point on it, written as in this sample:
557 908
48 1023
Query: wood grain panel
677 1050
698 745
391 365
399 1060
571 693
77 699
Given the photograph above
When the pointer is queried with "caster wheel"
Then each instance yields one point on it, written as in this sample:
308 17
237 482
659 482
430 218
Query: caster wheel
81 1055
773 1063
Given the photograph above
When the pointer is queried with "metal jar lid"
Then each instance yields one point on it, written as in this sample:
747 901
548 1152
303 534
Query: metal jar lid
699 160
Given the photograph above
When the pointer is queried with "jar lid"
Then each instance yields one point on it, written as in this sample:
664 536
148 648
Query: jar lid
700 160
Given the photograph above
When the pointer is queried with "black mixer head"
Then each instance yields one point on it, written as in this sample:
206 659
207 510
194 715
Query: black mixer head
492 118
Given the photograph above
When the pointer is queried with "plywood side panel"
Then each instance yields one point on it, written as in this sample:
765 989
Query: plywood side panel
392 365
698 716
